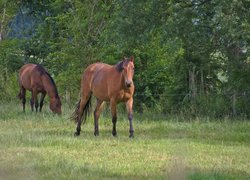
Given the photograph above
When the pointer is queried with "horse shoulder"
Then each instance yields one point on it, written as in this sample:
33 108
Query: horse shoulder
124 95
36 78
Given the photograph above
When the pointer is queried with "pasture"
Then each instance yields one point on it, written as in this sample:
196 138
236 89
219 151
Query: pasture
42 146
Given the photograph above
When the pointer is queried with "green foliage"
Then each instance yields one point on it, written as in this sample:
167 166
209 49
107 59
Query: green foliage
189 55
10 62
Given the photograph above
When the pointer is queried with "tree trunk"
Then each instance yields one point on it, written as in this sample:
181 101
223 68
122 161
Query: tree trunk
2 24
192 83
202 87
234 103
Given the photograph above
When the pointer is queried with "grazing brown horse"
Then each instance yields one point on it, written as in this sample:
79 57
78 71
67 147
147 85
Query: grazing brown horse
35 78
107 83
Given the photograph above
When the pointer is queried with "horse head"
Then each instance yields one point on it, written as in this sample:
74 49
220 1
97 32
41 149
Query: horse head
128 71
55 105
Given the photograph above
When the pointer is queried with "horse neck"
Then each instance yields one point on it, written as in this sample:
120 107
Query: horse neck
120 78
49 87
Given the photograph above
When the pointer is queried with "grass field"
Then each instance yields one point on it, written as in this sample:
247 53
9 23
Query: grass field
42 146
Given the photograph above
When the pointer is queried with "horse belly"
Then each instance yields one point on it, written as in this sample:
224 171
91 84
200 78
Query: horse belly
99 86
100 94
31 83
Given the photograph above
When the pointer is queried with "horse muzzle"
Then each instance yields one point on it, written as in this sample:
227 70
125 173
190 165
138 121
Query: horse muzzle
128 84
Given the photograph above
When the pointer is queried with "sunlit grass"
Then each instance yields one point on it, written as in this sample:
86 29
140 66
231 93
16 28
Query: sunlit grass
42 146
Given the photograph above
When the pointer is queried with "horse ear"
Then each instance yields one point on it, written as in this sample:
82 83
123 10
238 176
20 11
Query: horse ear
132 59
124 58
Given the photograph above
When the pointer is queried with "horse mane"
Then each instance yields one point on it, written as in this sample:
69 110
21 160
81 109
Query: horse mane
43 71
119 66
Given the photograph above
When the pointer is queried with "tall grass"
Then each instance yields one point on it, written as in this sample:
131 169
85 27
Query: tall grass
42 146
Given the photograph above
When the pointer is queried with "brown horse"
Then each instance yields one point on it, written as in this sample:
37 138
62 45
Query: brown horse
35 78
107 83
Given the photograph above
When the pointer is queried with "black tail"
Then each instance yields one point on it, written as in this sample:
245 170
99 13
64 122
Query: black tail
86 112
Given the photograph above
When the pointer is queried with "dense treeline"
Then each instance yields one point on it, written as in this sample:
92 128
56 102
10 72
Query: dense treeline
192 57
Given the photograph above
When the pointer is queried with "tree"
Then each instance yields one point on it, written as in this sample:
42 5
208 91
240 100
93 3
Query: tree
191 56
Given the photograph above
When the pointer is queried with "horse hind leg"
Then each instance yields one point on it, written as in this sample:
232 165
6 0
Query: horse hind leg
24 102
82 110
97 115
22 96
36 104
32 104
32 101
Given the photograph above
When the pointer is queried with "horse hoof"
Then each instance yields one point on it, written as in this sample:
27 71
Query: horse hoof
114 134
76 134
131 136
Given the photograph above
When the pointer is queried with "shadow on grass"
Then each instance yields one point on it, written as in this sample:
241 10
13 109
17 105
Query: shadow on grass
201 132
67 169
208 175
73 172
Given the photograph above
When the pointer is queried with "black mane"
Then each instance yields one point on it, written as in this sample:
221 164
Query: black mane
43 71
119 66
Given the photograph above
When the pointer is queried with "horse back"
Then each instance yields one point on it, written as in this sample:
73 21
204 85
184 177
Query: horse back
105 82
30 76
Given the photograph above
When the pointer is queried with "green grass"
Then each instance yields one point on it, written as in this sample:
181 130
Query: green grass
42 146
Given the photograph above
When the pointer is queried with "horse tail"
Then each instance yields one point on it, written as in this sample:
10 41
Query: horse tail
85 111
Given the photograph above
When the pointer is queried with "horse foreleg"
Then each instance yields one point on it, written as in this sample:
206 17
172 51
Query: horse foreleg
114 116
129 106
34 101
97 115
41 101
23 97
